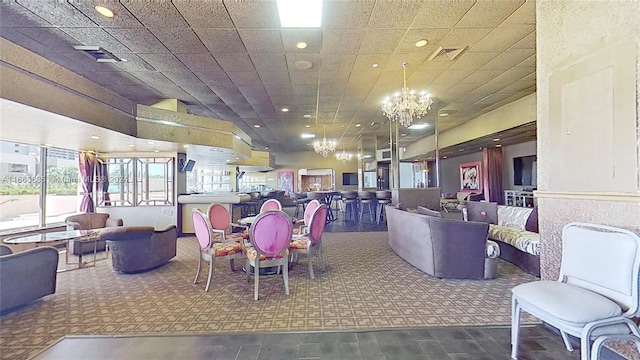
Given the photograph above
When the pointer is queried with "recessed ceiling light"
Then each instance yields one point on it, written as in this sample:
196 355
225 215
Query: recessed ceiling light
307 126
256 126
301 45
498 145
358 125
421 43
48 145
418 126
496 139
373 123
306 116
95 137
156 151
403 134
185 146
300 14
150 142
227 160
461 149
307 136
266 148
444 157
285 109
444 114
237 158
104 11
131 145
374 65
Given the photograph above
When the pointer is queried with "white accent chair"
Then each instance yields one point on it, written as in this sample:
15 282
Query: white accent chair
596 294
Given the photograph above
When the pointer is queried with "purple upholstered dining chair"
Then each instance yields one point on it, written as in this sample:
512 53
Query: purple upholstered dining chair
210 250
308 212
270 235
271 204
312 242
221 225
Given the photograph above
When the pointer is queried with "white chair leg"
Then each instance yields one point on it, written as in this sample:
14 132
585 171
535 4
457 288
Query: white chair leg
285 277
320 259
210 274
195 281
247 269
515 327
585 353
256 279
567 342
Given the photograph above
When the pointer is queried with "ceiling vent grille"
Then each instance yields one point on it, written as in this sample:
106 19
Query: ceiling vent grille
447 54
101 55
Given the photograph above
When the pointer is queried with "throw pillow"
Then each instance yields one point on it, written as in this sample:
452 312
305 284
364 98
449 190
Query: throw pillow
532 221
426 211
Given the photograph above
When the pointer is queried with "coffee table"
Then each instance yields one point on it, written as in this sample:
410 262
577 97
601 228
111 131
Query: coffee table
82 237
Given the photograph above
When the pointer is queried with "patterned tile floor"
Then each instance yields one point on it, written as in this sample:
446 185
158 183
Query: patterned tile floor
452 343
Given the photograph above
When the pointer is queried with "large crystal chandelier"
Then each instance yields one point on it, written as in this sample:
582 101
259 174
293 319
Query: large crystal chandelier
406 105
324 147
344 157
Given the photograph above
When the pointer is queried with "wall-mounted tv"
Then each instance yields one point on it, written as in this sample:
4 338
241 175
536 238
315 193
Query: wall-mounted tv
189 166
349 178
524 170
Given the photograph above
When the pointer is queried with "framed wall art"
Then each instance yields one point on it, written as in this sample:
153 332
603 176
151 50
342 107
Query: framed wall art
471 177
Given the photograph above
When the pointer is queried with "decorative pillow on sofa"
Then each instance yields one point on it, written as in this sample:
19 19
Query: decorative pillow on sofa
532 221
512 216
426 211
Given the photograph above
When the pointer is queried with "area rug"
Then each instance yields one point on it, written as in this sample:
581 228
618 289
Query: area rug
365 285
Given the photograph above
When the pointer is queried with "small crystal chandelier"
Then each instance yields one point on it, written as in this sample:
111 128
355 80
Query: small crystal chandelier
344 157
406 104
324 147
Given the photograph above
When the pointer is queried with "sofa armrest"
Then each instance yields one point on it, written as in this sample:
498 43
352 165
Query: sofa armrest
73 225
113 222
27 275
124 233
459 248
168 233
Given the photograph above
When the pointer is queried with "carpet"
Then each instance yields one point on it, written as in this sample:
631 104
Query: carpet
364 286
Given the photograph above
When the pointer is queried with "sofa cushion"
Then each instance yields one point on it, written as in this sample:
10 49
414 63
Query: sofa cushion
532 221
425 211
513 216
526 241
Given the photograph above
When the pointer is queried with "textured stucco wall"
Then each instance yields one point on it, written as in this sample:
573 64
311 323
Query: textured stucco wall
569 32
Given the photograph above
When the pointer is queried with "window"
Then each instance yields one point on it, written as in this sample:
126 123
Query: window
155 181
61 198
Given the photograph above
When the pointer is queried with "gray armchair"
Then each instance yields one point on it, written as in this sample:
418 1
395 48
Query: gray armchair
26 275
140 248
89 221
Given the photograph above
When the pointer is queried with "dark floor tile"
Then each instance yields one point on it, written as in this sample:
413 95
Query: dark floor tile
249 352
453 333
309 351
433 349
462 347
349 349
278 352
421 334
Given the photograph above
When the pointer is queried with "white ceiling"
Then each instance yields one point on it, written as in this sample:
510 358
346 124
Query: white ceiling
231 60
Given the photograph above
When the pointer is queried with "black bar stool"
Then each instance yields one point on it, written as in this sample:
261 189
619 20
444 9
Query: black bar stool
384 198
367 198
349 200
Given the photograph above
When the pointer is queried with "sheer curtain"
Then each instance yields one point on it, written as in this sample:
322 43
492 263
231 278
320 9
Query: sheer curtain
86 166
102 185
492 174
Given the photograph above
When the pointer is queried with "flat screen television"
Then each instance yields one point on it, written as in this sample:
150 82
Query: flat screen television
349 178
189 166
524 170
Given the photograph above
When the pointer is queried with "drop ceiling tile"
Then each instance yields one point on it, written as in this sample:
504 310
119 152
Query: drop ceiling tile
509 59
305 100
229 94
214 78
253 15
234 62
269 62
481 76
366 61
164 62
62 14
135 63
278 90
394 14
523 85
488 13
333 78
433 37
413 60
43 39
442 14
138 40
96 36
261 41
199 62
457 91
335 90
422 79
274 77
220 40
204 14
305 90
291 38
122 19
514 74
342 40
315 59
303 78
461 37
161 14
524 15
14 15
185 79
527 42
473 60
244 77
381 41
179 40
338 63
346 14
502 38
491 88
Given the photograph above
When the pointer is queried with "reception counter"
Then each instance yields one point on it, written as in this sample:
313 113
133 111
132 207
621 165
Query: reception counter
186 204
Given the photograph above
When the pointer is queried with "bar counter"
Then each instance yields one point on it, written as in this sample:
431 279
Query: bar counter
188 202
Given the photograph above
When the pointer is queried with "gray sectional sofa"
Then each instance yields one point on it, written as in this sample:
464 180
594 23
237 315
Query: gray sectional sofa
515 229
140 248
443 248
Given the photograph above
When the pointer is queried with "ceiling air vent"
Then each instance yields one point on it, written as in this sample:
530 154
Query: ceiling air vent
101 55
447 54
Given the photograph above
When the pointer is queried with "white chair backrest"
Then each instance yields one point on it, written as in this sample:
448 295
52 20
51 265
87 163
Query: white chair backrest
602 259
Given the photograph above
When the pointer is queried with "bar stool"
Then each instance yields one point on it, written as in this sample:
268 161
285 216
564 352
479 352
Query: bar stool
349 200
367 198
384 198
300 201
